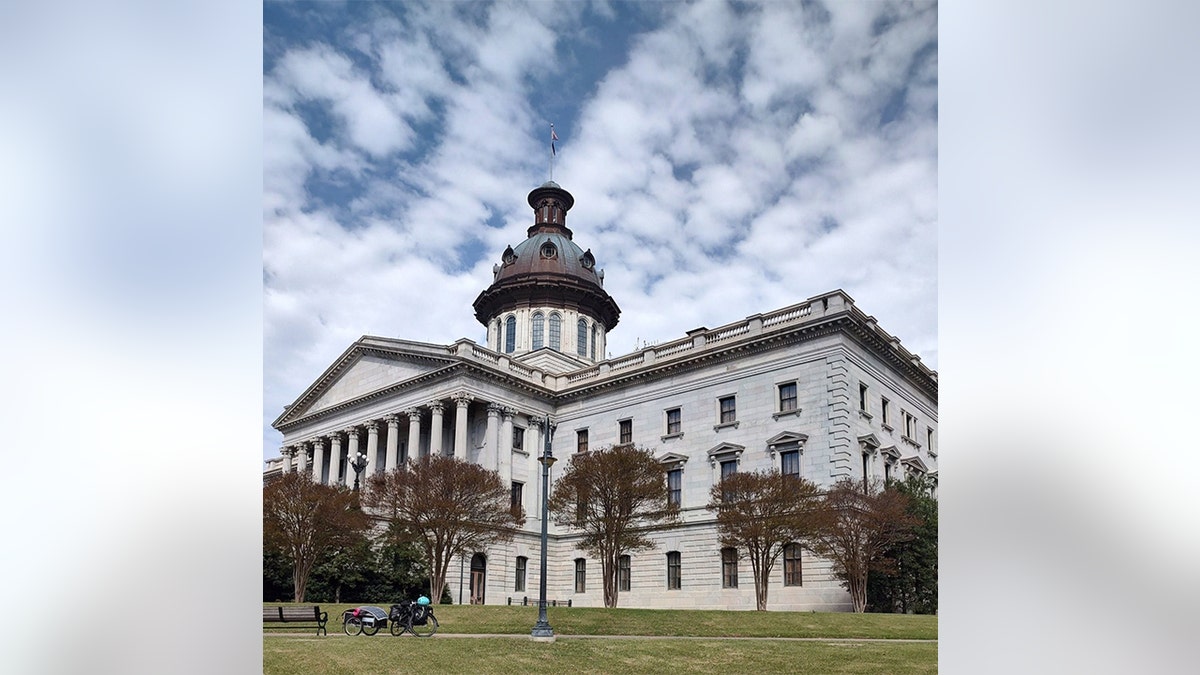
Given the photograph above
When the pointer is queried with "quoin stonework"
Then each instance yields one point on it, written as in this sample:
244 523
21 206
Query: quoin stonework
817 389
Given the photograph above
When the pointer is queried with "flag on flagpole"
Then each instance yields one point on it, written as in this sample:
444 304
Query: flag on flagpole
553 137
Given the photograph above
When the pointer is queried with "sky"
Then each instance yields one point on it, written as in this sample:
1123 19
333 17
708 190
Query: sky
726 159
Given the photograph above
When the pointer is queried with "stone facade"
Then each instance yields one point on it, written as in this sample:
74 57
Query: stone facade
392 399
817 386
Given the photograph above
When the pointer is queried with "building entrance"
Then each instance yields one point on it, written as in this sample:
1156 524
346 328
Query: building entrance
478 578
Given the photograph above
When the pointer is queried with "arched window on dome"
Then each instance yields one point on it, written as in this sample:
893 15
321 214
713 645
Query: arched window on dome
510 335
556 332
594 332
581 336
539 330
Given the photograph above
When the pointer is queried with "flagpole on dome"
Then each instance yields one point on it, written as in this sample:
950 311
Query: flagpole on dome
553 150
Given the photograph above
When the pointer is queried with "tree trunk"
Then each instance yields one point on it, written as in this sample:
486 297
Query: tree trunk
298 582
858 591
607 567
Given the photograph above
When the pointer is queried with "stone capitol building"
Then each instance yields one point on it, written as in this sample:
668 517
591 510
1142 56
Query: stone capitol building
816 389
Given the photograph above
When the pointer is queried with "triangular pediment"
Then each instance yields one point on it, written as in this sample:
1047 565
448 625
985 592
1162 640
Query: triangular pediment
550 361
787 438
869 441
915 462
890 451
369 365
726 449
672 458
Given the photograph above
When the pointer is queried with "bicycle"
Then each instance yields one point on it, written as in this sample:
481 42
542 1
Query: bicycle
415 617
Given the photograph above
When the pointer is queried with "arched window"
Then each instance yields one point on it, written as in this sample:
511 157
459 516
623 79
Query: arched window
510 335
539 329
581 338
556 332
594 342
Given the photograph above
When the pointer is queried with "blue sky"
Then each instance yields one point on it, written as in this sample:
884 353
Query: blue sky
726 159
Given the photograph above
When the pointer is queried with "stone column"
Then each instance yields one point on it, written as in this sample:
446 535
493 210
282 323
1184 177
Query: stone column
302 458
490 456
533 445
318 460
414 432
286 453
460 425
506 441
435 428
335 459
372 449
393 443
351 451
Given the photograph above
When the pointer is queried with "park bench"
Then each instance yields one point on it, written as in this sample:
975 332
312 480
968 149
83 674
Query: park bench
298 614
549 603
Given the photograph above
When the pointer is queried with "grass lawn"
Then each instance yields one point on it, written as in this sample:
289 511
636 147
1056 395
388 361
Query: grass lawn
300 652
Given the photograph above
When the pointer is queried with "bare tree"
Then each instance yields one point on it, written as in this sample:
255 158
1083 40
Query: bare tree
613 496
305 520
764 511
452 505
860 526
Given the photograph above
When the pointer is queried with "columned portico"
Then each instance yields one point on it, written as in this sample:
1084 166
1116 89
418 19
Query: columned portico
318 472
491 450
351 451
335 459
436 408
460 425
393 442
506 444
372 448
414 430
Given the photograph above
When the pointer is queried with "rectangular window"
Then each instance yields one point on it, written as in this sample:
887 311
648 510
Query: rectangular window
626 431
862 397
675 487
581 440
515 504
522 563
580 575
791 565
887 472
929 439
674 571
728 468
909 425
787 397
674 417
790 463
728 409
518 438
729 568
623 573
883 410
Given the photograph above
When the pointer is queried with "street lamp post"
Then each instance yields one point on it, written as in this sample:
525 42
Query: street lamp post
358 464
542 632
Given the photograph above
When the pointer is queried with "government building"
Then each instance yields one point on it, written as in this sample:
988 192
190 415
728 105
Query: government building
817 389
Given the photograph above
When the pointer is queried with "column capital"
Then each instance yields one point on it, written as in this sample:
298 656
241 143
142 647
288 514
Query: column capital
393 420
372 426
509 412
288 451
413 413
462 399
352 432
318 442
493 409
436 407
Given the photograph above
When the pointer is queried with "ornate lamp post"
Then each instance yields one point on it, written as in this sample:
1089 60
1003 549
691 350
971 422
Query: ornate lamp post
542 632
358 463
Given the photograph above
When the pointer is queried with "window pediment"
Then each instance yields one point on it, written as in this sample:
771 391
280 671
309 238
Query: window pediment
787 440
890 451
868 443
725 452
915 463
672 460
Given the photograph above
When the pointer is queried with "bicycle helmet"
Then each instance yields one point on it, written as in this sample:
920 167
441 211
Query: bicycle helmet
422 600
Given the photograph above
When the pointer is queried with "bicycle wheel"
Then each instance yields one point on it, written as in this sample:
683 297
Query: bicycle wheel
429 628
353 625
397 627
370 627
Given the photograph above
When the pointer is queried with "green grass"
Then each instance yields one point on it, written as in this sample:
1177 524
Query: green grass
516 620
300 652
383 653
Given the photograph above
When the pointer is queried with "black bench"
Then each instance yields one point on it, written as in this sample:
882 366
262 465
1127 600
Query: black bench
296 614
526 601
